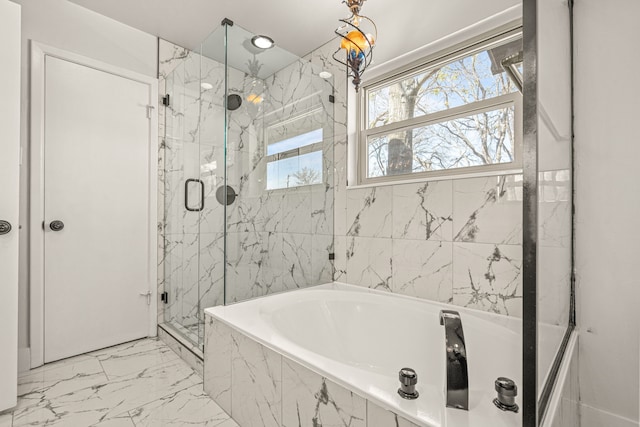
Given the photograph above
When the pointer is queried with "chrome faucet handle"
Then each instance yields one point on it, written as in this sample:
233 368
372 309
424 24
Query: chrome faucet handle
408 380
507 392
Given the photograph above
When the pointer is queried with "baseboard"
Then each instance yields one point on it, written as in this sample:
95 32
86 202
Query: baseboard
592 417
24 359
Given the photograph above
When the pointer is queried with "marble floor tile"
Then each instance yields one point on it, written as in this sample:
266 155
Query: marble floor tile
142 383
38 385
191 406
128 358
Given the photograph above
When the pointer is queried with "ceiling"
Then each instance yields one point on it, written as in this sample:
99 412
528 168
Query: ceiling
300 26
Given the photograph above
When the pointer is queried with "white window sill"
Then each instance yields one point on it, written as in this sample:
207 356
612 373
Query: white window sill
437 178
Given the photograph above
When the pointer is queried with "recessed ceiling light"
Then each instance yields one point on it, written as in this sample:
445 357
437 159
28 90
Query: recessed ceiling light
262 42
325 74
206 86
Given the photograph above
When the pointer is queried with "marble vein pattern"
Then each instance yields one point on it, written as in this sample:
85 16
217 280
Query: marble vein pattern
423 269
134 384
369 212
423 211
488 277
311 400
257 383
217 373
370 262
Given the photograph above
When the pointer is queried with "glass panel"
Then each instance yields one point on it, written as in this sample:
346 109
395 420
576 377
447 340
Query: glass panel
480 139
181 231
474 78
304 169
279 229
554 247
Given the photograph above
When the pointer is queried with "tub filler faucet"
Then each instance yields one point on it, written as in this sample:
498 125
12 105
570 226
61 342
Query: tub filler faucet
456 359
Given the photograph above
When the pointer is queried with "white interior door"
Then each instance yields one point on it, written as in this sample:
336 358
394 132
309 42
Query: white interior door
9 194
96 183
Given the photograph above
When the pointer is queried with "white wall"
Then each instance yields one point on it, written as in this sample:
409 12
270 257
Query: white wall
607 208
68 26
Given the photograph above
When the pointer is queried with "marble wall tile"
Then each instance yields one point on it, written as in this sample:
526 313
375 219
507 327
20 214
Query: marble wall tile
370 262
321 266
340 262
297 260
488 210
256 393
296 212
308 399
378 417
423 269
423 211
211 271
322 210
488 277
369 212
217 365
169 56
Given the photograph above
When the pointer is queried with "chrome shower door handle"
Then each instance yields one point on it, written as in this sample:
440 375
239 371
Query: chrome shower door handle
186 195
56 225
5 227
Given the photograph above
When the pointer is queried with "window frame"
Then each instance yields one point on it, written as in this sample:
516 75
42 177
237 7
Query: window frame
438 60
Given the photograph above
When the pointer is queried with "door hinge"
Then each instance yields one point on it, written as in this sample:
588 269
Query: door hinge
166 100
150 109
332 99
148 295
164 297
332 256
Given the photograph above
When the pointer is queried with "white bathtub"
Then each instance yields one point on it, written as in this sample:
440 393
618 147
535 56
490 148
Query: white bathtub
360 339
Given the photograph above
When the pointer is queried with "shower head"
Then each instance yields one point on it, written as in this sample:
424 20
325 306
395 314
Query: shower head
234 101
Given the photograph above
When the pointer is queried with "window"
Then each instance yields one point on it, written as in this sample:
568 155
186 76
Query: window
294 152
456 114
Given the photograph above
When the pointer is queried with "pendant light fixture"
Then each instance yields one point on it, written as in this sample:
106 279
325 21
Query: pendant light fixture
358 35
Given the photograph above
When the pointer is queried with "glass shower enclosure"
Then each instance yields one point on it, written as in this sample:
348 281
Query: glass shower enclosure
248 177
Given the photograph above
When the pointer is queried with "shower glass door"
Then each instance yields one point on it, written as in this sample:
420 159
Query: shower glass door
248 177
182 198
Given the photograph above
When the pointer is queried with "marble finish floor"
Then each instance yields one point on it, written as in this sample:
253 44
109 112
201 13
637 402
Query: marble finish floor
141 383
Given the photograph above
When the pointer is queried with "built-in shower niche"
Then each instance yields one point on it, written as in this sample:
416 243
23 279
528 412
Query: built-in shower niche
275 150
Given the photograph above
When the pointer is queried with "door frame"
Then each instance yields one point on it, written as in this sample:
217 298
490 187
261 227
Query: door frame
39 52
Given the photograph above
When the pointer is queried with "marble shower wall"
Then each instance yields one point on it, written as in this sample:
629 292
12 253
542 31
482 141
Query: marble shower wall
279 239
276 240
259 387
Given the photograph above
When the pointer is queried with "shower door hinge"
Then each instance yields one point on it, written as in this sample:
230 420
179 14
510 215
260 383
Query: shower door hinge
332 99
332 256
166 100
164 297
150 109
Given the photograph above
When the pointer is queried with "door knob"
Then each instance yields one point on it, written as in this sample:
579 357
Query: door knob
5 227
56 225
